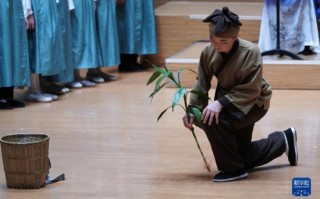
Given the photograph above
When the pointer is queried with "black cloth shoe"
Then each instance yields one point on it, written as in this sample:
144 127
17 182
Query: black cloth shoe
307 51
226 177
142 67
128 68
16 103
291 136
55 89
5 105
107 77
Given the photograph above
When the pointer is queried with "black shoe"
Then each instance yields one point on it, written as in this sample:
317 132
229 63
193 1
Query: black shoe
5 105
291 135
16 103
55 89
95 78
125 68
107 77
307 51
226 177
142 67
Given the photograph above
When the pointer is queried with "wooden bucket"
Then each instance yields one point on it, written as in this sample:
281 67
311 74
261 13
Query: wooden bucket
25 160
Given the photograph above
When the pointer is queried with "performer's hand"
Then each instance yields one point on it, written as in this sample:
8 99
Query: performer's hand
120 2
188 121
30 22
211 112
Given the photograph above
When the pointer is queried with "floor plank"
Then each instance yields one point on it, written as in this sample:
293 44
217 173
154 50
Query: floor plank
109 145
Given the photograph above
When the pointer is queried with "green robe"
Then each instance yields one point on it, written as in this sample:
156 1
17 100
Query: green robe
239 76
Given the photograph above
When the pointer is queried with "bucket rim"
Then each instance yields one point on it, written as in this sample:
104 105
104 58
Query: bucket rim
45 137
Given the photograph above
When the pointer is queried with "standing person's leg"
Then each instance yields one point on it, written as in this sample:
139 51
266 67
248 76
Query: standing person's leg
4 104
128 63
85 47
14 63
107 33
137 34
48 84
84 82
92 75
58 83
34 92
44 61
7 94
106 76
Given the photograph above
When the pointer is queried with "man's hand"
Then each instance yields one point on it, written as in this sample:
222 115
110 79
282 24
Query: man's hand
211 112
120 2
30 22
188 121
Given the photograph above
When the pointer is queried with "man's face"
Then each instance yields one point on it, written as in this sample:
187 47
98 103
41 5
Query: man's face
222 44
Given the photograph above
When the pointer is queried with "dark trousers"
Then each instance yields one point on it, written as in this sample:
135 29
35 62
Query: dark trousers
6 92
232 145
129 59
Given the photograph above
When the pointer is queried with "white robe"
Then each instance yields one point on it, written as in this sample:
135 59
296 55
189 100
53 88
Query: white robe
27 10
298 26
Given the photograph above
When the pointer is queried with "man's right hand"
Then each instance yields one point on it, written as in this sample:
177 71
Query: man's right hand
30 23
188 121
120 2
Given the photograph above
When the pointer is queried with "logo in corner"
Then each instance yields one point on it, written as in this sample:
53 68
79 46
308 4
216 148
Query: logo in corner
301 187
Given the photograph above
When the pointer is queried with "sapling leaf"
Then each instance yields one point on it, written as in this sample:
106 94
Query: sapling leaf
153 77
160 69
163 112
197 113
159 81
178 96
192 71
179 74
157 90
166 68
153 65
180 93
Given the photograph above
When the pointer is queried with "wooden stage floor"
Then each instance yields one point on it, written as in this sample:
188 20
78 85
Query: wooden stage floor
109 145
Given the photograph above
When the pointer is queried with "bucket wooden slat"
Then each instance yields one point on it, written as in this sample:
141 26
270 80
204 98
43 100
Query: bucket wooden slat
25 160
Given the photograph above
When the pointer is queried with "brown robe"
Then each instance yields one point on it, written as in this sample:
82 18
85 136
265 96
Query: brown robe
239 75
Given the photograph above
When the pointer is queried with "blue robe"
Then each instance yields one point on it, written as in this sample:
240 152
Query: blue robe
84 35
45 42
66 34
137 31
108 33
14 57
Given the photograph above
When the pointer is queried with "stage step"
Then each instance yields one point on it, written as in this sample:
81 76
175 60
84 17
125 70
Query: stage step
282 73
179 24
